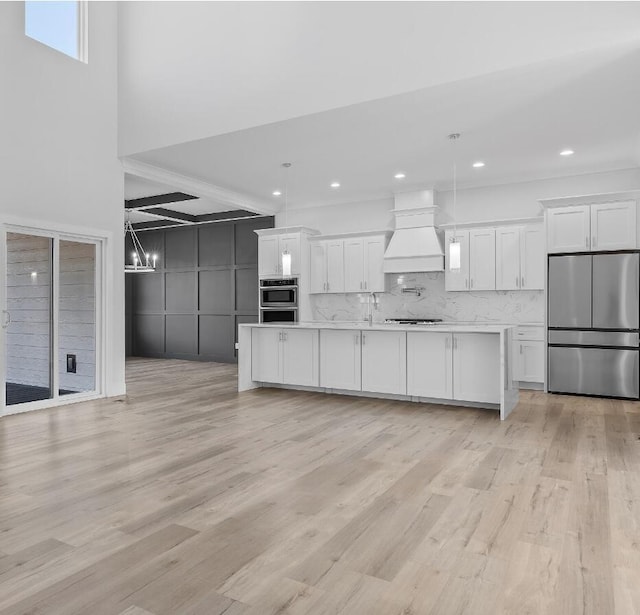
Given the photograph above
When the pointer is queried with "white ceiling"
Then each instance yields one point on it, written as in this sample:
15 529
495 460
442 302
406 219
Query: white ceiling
520 81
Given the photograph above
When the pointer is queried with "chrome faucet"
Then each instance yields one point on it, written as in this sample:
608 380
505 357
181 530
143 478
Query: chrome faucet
372 300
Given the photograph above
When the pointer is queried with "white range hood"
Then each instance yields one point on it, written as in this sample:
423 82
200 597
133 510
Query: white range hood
416 244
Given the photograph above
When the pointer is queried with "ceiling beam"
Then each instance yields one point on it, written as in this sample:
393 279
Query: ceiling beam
163 212
158 199
199 188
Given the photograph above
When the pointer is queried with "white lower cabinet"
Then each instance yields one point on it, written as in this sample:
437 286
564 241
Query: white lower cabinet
429 364
340 360
476 367
530 361
285 356
384 362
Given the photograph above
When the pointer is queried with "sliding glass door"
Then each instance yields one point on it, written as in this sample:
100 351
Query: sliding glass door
50 319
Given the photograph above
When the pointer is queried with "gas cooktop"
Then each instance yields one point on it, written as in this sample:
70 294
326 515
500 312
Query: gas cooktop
413 321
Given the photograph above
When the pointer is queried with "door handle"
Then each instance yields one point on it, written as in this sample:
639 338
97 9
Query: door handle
7 319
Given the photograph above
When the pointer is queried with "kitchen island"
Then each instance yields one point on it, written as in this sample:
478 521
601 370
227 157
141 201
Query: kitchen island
458 365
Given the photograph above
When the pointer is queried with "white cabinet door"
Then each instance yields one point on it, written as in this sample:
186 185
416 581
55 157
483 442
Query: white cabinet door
374 264
318 282
290 243
429 364
268 256
384 362
482 259
568 229
530 361
353 265
340 359
532 257
508 258
266 356
459 278
335 265
613 226
300 357
476 367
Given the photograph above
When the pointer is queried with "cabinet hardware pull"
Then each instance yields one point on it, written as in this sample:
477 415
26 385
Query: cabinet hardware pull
593 244
517 282
520 348
363 339
365 285
471 282
280 336
586 242
466 283
455 342
522 285
355 339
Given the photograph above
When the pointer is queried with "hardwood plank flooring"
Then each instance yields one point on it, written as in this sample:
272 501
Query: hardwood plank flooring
187 498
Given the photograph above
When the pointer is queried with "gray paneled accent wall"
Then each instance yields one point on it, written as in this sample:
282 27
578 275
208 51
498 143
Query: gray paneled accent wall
205 284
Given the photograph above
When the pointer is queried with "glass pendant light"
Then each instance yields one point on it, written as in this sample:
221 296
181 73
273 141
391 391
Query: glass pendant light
454 244
286 255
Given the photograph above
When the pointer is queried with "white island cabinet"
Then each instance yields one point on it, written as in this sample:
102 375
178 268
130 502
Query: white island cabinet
340 359
384 362
459 365
285 356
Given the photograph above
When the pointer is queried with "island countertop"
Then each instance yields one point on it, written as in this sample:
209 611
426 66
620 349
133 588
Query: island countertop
443 327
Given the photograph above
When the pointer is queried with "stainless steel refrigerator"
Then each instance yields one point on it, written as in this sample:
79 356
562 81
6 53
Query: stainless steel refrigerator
593 324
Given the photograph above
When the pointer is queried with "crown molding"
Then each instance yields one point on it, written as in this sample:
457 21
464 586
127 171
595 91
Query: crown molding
198 188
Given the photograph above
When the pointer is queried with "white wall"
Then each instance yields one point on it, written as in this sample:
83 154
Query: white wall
58 151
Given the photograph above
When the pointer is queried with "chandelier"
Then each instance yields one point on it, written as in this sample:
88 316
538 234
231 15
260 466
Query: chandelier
143 261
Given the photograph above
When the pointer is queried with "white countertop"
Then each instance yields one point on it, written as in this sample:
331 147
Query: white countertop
445 327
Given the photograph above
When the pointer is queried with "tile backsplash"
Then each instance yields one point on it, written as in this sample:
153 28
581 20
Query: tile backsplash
516 306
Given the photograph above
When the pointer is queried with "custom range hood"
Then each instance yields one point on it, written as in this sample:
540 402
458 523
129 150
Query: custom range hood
416 244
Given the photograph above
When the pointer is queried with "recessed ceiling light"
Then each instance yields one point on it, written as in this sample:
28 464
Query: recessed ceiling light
399 175
478 165
335 185
277 193
567 152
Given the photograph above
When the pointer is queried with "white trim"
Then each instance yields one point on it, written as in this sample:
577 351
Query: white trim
3 306
485 223
285 230
83 31
54 314
197 187
591 199
46 404
386 233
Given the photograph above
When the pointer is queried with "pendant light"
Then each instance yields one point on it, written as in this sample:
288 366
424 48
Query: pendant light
454 244
142 262
286 255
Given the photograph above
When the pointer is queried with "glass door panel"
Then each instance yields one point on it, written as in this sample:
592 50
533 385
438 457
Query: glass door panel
76 317
28 318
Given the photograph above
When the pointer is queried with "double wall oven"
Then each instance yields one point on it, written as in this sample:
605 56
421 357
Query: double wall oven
279 300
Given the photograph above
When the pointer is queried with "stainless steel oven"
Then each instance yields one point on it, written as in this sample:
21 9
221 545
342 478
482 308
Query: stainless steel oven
281 293
279 300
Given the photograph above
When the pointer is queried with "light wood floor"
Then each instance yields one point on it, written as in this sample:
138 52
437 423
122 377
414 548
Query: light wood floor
188 498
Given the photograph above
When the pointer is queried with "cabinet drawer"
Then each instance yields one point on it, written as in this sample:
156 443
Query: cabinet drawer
530 333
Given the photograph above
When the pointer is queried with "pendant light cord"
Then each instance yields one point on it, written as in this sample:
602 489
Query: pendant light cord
454 136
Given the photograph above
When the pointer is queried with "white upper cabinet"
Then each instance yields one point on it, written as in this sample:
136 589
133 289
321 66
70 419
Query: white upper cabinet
270 249
363 264
613 226
353 265
335 265
374 263
457 279
482 259
532 257
585 228
268 256
318 253
508 258
569 229
520 258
